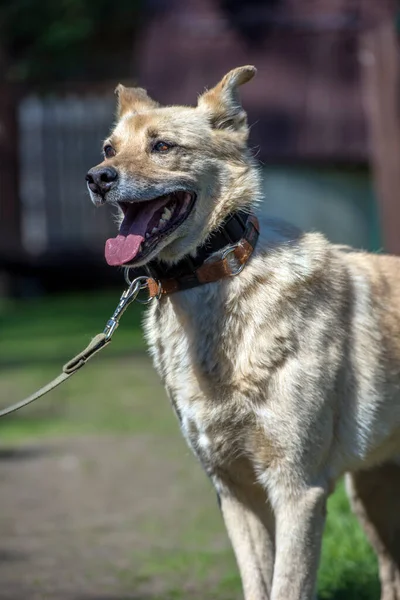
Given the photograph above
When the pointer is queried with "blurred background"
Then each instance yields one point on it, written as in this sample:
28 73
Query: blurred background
100 499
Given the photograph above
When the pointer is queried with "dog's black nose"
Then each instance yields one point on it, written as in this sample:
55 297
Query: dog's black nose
101 179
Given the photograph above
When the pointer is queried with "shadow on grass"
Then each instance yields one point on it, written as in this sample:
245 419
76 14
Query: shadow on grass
353 590
11 556
166 596
118 597
17 596
20 454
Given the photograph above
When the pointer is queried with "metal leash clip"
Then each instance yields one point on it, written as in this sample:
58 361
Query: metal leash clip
128 296
126 299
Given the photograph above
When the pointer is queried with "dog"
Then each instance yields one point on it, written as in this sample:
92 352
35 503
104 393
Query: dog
282 363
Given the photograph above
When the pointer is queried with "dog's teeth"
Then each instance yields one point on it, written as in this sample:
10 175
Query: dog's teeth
155 230
166 214
162 221
147 235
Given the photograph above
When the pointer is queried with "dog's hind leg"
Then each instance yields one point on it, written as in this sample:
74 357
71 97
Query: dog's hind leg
250 524
375 498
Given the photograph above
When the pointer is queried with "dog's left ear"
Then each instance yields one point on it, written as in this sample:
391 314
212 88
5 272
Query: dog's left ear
133 100
222 102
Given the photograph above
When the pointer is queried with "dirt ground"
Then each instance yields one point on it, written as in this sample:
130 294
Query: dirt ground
104 518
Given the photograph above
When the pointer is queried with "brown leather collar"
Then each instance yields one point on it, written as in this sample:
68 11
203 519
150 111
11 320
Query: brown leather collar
224 254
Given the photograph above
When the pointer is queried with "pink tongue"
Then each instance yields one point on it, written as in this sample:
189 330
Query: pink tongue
123 248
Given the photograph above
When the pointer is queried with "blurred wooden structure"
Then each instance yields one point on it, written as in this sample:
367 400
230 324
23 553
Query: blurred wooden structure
60 138
9 184
380 59
48 226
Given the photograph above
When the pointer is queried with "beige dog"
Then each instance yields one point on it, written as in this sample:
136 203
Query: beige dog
285 375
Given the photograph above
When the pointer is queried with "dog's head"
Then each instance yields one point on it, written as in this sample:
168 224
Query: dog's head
175 172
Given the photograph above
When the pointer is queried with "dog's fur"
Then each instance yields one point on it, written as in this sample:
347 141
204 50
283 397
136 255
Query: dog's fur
284 377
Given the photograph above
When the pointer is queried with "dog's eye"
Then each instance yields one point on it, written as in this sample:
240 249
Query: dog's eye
109 151
162 146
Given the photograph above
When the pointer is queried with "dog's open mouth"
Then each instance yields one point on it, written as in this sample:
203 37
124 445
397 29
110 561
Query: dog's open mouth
145 224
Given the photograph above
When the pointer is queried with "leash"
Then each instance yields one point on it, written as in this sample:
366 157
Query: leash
228 262
100 341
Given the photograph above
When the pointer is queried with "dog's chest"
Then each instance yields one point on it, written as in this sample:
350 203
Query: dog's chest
195 368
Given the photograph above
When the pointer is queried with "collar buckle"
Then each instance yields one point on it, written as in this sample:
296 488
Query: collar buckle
229 254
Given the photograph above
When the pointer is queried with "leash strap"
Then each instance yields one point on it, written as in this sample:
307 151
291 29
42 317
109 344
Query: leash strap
70 368
46 388
100 341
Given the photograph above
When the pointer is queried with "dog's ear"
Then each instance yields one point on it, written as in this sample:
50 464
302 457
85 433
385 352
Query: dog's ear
133 100
222 102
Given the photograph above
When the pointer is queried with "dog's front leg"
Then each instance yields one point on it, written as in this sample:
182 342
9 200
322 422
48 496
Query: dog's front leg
250 524
299 526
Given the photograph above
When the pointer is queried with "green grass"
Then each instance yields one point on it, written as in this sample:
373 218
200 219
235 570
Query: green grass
56 328
348 567
38 336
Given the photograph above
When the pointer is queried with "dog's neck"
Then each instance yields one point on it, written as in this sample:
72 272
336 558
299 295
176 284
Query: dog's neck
229 233
229 248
